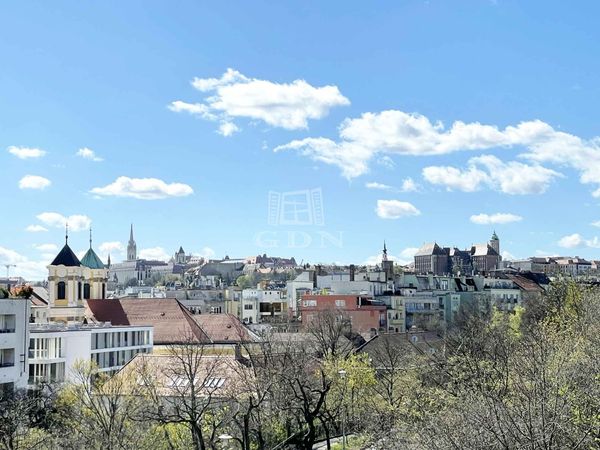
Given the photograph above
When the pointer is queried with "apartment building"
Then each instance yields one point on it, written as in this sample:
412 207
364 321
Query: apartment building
364 314
14 315
55 349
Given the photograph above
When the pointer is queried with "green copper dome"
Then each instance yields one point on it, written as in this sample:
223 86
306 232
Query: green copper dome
91 260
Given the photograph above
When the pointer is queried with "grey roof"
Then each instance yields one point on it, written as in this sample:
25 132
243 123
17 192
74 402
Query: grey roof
483 250
66 257
430 248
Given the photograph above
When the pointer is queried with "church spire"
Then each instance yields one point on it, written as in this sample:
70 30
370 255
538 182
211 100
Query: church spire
384 257
131 246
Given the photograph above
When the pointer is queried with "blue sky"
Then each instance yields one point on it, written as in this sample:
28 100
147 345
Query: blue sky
411 117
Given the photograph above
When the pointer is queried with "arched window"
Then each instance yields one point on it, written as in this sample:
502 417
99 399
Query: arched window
79 290
86 291
61 293
103 290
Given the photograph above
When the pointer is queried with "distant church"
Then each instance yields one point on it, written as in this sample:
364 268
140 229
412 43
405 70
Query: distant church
71 281
136 271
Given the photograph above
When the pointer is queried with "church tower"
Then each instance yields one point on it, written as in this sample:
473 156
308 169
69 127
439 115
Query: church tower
95 274
65 286
131 247
495 242
387 265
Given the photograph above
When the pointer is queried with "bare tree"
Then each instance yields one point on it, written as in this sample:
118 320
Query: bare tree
100 410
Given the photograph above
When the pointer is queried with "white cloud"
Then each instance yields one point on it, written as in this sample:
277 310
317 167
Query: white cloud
285 105
206 253
405 257
34 182
409 185
596 224
399 133
87 153
510 178
228 128
498 218
77 222
143 188
575 240
111 247
154 253
46 248
26 268
506 255
408 253
380 186
26 152
35 228
395 209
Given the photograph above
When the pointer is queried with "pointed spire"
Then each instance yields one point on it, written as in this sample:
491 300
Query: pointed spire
108 261
66 233
131 234
90 237
384 258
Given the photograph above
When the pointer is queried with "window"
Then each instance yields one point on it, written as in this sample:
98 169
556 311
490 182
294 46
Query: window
309 303
7 357
61 291
79 290
248 306
178 381
86 291
7 323
340 303
214 383
103 290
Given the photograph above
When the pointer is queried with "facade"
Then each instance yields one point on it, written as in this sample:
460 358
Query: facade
365 315
71 281
554 265
14 315
263 305
54 350
480 258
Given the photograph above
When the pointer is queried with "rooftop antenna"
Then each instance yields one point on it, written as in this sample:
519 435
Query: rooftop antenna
90 237
66 233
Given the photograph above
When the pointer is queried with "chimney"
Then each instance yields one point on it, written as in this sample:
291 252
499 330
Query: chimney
352 271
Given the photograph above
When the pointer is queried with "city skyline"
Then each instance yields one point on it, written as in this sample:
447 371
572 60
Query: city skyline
436 123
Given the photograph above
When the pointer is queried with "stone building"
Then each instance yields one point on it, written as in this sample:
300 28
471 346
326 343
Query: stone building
480 258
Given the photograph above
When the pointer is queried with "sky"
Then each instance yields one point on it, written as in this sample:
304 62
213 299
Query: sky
308 129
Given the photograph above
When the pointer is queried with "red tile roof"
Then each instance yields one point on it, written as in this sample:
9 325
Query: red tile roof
223 328
172 322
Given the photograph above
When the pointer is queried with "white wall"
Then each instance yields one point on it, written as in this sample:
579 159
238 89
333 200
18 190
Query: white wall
18 341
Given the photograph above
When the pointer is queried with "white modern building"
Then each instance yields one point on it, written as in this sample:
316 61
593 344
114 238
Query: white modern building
14 315
260 305
54 349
